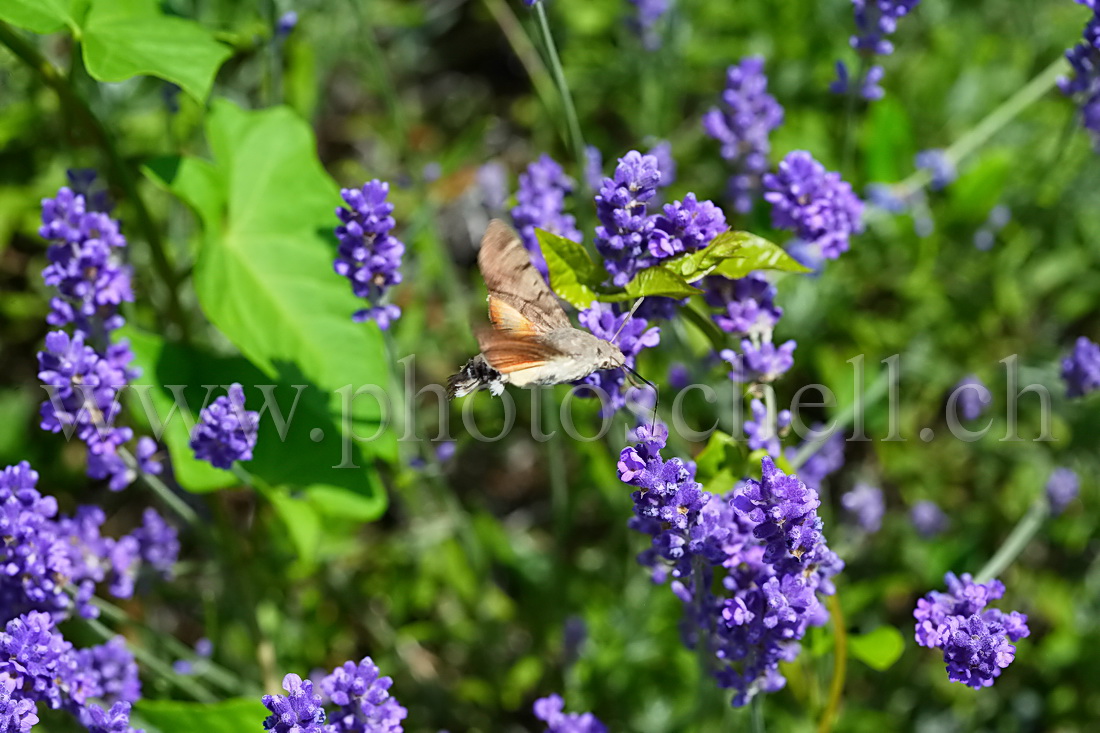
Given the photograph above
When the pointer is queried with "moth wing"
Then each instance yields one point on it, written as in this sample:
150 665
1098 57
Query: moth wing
508 354
514 282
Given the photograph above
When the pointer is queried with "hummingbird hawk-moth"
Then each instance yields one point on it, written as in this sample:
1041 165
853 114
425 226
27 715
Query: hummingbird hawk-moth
531 342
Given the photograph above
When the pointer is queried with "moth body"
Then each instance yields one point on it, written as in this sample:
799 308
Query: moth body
532 343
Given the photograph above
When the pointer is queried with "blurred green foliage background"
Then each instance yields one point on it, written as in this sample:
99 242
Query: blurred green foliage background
508 572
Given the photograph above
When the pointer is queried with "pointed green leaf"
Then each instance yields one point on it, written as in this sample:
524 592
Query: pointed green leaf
573 275
695 265
757 253
196 182
127 38
264 277
172 716
878 649
43 16
657 281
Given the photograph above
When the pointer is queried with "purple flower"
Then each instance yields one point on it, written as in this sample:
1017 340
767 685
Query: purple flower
928 519
604 321
784 511
939 166
84 265
763 600
32 652
815 204
622 237
763 430
115 720
286 23
746 305
742 126
974 639
1084 85
875 20
648 14
549 710
299 711
869 85
540 204
363 700
685 227
1062 488
368 255
225 432
759 362
882 196
866 504
158 543
17 713
972 396
1081 369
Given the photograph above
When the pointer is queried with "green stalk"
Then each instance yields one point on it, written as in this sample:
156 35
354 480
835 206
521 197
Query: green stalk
527 54
185 683
1014 544
117 171
161 489
844 419
990 125
757 708
571 120
229 682
840 665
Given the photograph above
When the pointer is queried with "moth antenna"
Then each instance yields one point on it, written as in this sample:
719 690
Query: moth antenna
626 320
656 394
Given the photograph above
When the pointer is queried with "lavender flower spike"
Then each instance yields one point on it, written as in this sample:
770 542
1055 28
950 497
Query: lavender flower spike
299 711
363 699
1084 85
549 710
368 255
974 639
815 204
742 125
1081 369
225 432
540 204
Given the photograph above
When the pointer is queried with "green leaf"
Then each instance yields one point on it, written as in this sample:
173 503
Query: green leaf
196 182
171 716
715 455
699 263
302 522
657 281
290 458
43 16
573 275
878 649
757 253
127 38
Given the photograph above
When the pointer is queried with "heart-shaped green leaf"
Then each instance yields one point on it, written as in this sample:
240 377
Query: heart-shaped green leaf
43 16
127 38
878 649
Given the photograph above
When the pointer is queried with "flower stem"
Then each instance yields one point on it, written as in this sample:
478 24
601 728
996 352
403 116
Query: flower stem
1014 544
757 709
840 665
216 674
844 419
186 684
990 125
161 489
118 171
571 120
527 54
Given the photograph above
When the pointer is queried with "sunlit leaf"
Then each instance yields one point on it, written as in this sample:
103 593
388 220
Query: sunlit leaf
573 275
127 38
43 16
878 649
